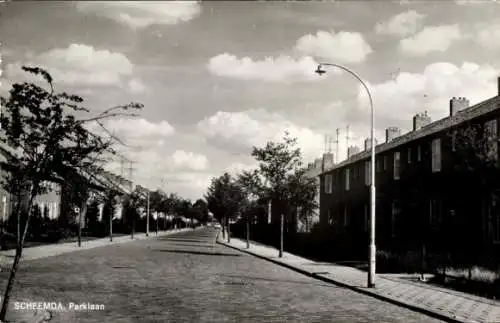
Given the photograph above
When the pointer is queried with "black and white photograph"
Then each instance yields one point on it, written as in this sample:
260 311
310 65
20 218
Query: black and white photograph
250 161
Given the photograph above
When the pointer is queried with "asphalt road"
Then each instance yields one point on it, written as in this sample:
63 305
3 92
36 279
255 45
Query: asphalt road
186 277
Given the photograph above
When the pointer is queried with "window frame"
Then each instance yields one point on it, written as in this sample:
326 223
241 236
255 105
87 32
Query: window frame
368 173
397 165
347 179
436 155
328 184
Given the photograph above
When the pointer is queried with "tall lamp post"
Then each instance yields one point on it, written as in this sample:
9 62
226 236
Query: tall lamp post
372 248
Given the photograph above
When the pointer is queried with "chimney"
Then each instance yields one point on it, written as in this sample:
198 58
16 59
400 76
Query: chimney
392 133
327 159
317 163
351 151
457 104
421 120
368 143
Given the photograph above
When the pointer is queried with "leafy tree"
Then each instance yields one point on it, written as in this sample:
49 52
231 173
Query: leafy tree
201 210
302 192
277 162
41 139
155 204
92 216
225 198
132 203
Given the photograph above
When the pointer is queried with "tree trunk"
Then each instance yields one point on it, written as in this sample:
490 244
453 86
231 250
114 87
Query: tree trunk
18 213
224 228
157 224
228 231
422 269
133 226
19 252
83 211
111 224
248 232
281 235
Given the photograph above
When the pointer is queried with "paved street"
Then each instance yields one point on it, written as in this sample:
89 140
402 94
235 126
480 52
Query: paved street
186 277
452 305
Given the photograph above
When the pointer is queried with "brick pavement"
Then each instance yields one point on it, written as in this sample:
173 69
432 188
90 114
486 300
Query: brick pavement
441 303
188 278
49 250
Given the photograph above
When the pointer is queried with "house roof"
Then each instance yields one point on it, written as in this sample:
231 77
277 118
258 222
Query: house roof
461 116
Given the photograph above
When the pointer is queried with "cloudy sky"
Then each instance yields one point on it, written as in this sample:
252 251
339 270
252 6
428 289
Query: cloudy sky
217 78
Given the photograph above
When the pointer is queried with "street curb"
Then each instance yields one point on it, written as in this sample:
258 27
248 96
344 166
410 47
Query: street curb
356 289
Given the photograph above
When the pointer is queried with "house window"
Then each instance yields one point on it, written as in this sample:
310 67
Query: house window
385 162
436 155
397 166
419 153
328 183
396 210
347 179
491 132
368 173
409 155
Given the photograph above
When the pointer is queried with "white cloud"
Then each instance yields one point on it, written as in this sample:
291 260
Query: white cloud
137 132
167 165
255 128
152 169
79 65
488 36
475 2
403 24
189 160
431 39
398 100
341 47
142 14
279 69
136 86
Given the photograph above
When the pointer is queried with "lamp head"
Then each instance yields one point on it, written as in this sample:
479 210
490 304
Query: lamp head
319 70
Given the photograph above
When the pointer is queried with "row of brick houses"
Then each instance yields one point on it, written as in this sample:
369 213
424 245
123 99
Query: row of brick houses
52 203
416 161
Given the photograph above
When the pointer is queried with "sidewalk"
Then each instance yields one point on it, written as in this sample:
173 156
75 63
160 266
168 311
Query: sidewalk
441 303
48 250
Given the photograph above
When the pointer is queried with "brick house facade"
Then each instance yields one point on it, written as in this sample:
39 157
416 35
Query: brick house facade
415 190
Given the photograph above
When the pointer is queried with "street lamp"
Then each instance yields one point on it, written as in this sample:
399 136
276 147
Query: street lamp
372 248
